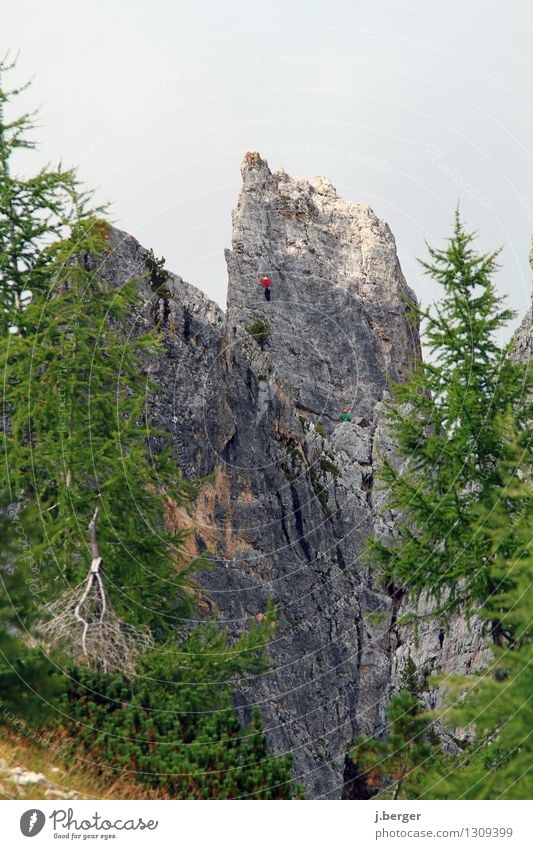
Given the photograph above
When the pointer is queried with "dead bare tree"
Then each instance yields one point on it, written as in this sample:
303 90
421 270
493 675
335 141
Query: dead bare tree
82 623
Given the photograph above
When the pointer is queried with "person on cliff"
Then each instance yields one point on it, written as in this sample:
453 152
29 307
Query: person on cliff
265 282
345 415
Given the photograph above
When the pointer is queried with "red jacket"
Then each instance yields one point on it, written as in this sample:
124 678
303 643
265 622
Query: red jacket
265 281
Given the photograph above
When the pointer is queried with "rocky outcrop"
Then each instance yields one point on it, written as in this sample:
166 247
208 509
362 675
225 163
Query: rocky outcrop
339 307
339 328
251 401
17 782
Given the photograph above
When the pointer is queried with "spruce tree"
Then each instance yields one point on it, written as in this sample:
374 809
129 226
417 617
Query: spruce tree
493 706
448 425
460 487
91 498
33 210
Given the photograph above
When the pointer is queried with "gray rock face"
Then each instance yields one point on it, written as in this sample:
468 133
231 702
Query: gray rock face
523 338
338 309
290 501
339 328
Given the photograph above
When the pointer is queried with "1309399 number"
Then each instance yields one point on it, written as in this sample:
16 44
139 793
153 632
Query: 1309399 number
487 831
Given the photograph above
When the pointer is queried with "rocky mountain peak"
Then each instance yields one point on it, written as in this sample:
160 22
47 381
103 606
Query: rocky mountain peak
341 241
251 402
337 289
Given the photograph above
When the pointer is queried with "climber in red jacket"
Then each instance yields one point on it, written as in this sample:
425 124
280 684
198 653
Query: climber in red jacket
265 282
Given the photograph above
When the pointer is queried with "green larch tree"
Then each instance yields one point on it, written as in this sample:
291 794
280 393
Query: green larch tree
448 425
35 209
460 488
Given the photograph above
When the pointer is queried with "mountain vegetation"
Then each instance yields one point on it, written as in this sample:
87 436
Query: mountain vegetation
97 588
461 482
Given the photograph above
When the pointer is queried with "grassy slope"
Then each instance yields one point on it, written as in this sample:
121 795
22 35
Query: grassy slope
16 750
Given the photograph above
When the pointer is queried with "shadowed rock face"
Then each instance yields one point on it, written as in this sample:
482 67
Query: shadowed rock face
290 500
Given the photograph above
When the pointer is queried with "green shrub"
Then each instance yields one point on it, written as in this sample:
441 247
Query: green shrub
158 275
259 330
175 730
327 466
319 489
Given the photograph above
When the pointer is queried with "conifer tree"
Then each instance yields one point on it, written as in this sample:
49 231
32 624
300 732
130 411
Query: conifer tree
87 545
80 484
460 485
35 209
493 706
497 704
90 497
448 424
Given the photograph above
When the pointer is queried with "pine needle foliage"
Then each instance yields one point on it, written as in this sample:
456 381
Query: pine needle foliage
74 398
448 424
86 496
497 705
35 210
493 708
460 485
173 728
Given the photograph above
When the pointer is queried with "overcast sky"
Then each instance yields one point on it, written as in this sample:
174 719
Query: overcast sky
407 106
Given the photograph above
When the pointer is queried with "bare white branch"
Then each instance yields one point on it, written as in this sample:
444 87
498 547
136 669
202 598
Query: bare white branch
82 623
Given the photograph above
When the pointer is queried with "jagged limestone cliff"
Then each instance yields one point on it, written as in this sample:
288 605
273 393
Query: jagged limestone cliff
290 499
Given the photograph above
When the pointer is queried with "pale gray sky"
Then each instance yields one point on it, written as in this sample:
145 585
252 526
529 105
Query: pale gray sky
407 106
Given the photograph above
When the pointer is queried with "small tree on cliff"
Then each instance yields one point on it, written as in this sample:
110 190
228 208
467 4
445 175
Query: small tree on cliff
395 767
449 425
